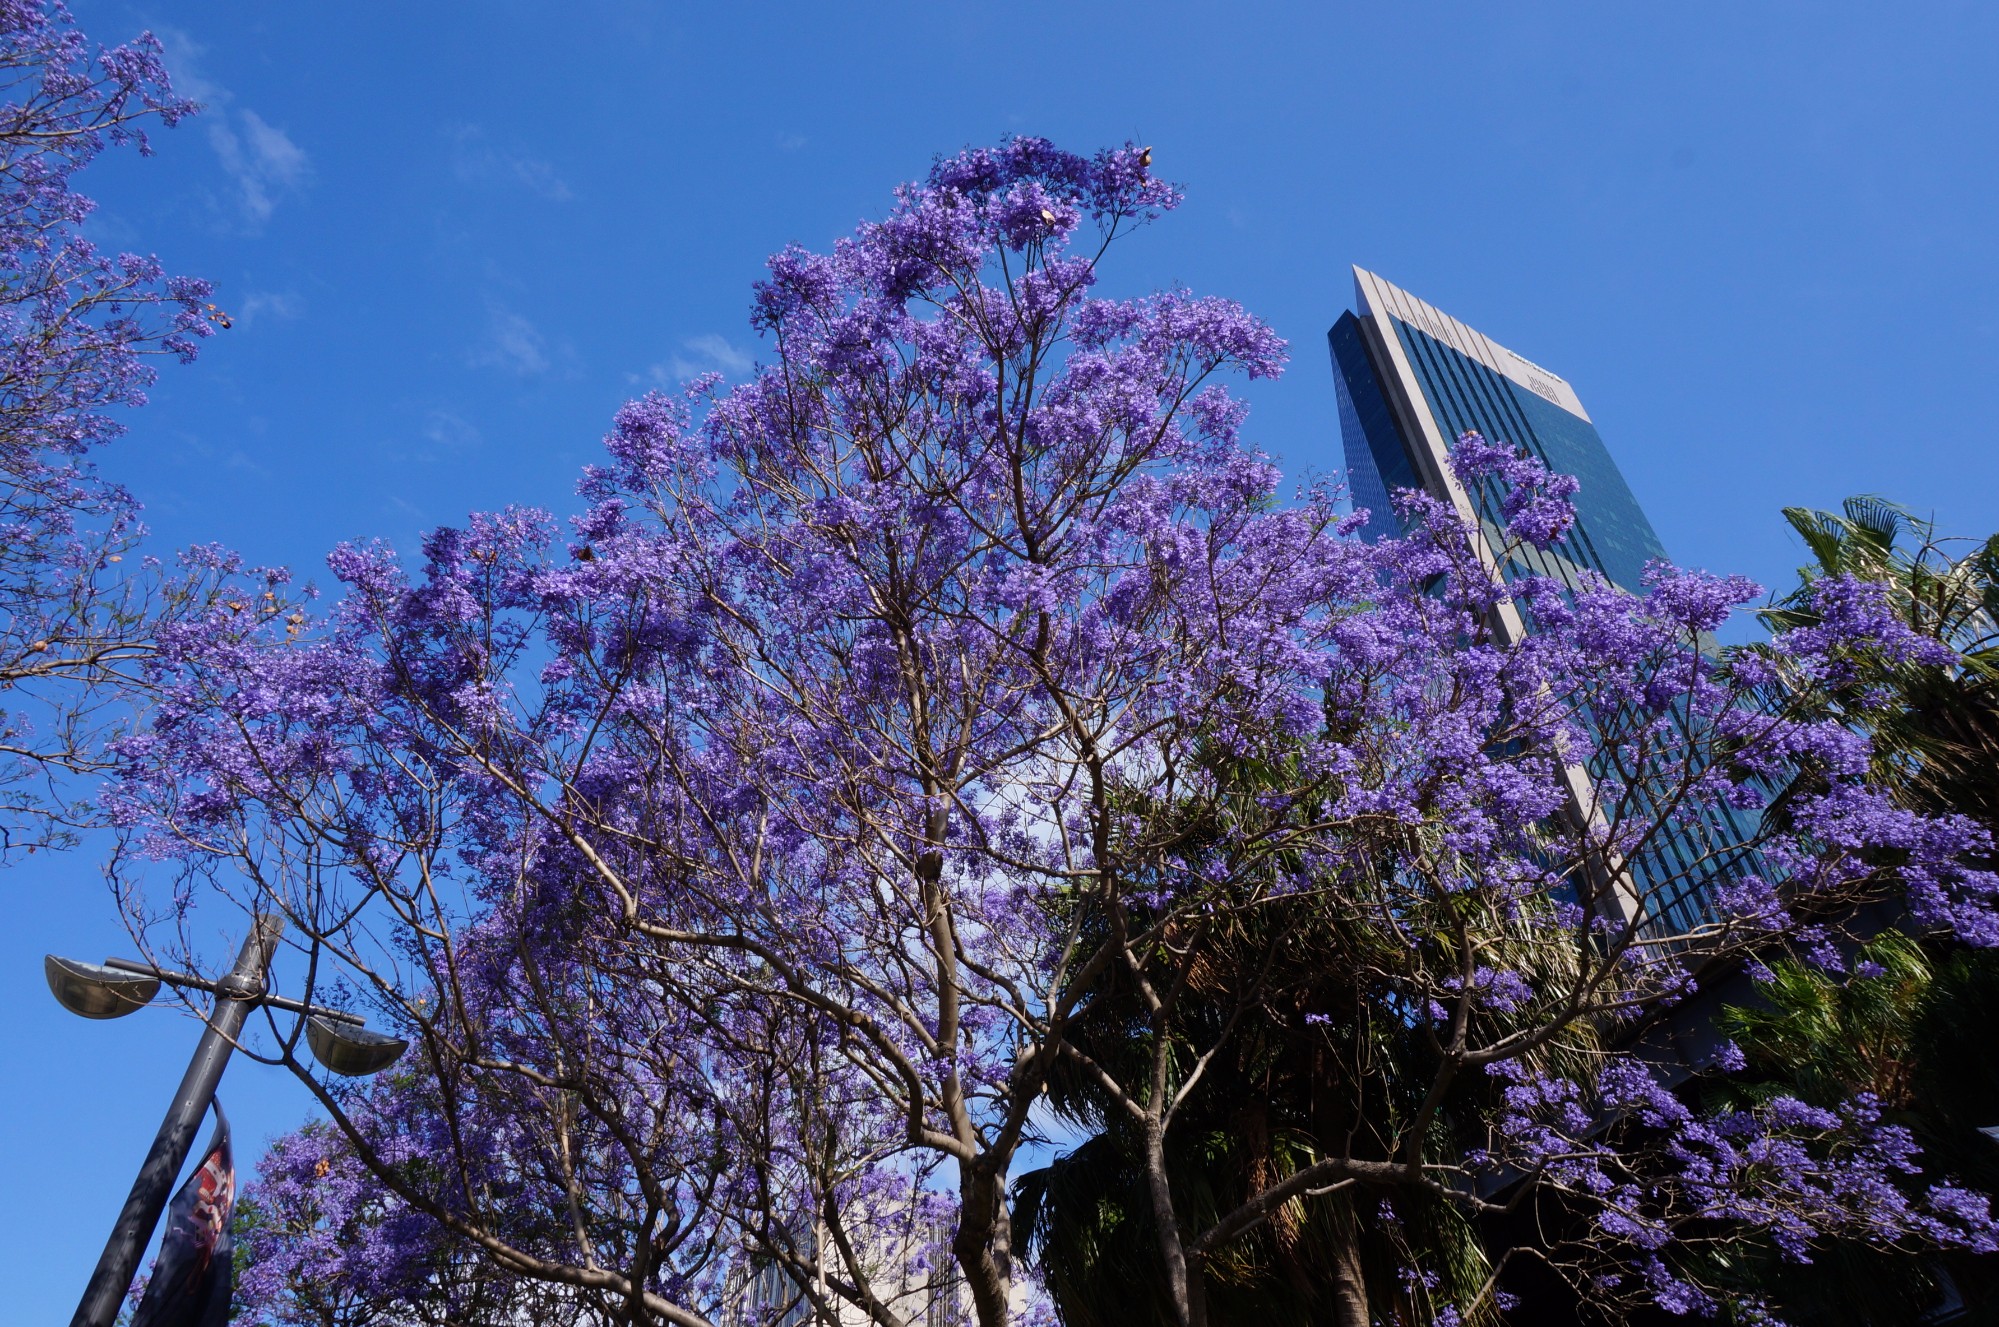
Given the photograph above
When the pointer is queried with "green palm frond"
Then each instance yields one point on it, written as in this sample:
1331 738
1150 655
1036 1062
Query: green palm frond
1934 727
1909 1025
1873 515
1281 1094
1825 1038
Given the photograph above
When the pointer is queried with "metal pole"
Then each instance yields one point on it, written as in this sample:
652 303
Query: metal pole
134 1230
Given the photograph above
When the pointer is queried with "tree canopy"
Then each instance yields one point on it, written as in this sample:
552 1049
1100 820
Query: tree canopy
955 726
80 330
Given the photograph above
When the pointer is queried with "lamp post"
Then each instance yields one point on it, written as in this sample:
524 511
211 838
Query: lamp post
117 987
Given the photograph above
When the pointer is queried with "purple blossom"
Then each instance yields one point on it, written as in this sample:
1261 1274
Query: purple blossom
1535 503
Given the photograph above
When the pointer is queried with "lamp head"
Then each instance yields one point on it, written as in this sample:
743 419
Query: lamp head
350 1051
97 992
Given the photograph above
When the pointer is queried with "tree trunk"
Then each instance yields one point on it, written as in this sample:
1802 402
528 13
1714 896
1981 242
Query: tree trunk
1349 1281
1189 1303
983 1245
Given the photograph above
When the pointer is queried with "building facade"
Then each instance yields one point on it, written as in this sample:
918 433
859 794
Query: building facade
1410 379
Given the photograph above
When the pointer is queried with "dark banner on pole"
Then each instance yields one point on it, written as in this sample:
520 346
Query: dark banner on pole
192 1278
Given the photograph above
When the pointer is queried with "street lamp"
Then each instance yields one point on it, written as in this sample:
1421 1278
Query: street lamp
117 987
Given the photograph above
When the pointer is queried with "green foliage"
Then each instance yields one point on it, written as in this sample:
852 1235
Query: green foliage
1912 1024
1935 727
1306 1058
1089 1228
1913 1028
1822 1039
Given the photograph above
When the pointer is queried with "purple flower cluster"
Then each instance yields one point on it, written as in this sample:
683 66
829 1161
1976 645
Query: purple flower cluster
1659 1174
1535 502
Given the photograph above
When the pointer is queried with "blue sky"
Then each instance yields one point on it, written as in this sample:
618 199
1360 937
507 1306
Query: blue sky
1757 238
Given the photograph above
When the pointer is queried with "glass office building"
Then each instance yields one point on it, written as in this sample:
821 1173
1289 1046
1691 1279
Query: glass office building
1410 379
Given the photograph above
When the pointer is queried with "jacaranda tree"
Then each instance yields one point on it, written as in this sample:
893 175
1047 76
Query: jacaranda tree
958 701
79 331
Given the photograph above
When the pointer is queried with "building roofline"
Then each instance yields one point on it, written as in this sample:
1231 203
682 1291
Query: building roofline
1375 296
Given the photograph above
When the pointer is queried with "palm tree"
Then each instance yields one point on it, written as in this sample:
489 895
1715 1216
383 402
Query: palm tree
1907 1027
1935 727
1312 1055
1909 1024
1317 1065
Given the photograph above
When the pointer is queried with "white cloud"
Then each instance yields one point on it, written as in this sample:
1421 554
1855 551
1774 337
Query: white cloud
183 58
790 142
476 161
239 459
450 432
713 351
260 157
513 344
707 353
267 304
276 156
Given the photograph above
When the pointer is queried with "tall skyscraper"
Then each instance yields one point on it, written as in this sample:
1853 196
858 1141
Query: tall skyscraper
1411 379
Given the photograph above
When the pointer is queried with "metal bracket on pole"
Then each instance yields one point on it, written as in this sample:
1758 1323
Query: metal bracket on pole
188 981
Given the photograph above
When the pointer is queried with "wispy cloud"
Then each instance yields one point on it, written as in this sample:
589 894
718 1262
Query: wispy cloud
790 142
512 344
449 432
260 158
183 56
238 459
707 353
267 304
475 160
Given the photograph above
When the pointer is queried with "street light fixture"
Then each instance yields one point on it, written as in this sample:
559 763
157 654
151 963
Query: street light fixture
95 991
350 1049
118 986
